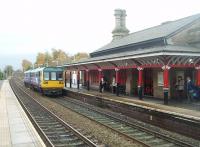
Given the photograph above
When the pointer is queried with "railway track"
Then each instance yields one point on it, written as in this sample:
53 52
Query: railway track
52 130
134 132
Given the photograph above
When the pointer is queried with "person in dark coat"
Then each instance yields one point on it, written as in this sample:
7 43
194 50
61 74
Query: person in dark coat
190 89
102 85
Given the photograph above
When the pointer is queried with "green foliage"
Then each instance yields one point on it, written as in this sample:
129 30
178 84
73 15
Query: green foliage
1 75
79 56
8 70
26 65
57 57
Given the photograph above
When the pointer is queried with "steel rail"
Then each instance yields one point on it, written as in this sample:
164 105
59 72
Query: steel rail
154 133
47 141
141 128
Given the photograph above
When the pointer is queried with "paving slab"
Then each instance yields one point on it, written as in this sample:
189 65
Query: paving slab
16 129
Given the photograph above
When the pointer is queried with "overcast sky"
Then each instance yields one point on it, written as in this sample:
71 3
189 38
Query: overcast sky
31 26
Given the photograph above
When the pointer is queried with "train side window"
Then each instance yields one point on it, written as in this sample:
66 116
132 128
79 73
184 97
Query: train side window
46 75
59 76
53 76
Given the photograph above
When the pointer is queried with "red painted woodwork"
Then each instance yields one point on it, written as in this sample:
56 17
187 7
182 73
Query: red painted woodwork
198 77
140 78
122 77
182 65
100 75
166 78
94 76
143 66
127 67
151 65
117 76
87 75
148 82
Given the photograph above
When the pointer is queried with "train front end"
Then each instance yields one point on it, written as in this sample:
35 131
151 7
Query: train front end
52 82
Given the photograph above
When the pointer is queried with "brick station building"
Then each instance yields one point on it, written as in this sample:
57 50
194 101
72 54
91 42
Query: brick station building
144 63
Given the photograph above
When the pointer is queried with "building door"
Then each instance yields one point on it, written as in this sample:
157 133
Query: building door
108 77
134 83
148 82
176 75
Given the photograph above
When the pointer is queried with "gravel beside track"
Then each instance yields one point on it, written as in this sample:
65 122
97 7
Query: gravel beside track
87 126
53 130
56 105
121 123
84 125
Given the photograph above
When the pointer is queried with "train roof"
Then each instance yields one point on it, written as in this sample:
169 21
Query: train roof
53 69
37 69
28 71
47 69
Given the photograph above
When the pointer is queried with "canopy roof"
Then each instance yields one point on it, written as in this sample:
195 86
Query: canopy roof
164 30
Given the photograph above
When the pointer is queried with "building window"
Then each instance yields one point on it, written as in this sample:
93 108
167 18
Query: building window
160 79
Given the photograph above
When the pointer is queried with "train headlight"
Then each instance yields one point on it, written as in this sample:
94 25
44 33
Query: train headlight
61 82
45 82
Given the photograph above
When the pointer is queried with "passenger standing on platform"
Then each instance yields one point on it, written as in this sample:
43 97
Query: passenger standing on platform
101 86
190 89
114 85
180 87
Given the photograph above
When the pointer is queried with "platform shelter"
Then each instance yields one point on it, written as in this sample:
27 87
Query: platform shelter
154 62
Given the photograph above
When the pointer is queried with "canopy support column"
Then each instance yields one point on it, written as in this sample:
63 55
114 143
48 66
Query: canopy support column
70 79
117 80
78 79
166 83
140 82
87 80
198 76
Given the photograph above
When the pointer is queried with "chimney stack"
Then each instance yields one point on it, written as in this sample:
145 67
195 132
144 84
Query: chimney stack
120 24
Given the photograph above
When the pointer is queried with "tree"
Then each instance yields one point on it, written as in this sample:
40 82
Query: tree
55 53
40 59
81 55
57 57
48 59
26 65
60 57
1 75
8 70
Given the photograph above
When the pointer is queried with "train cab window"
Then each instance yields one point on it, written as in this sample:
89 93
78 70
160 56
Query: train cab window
53 76
60 76
46 75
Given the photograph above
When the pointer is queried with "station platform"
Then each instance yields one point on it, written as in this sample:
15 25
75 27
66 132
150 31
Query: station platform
188 110
16 129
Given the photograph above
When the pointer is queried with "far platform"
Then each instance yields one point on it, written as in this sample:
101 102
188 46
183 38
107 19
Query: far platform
16 129
186 109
